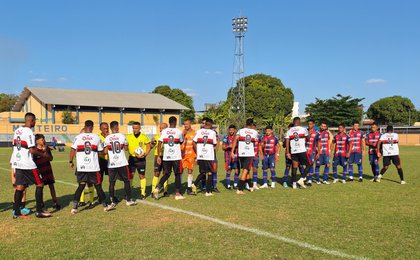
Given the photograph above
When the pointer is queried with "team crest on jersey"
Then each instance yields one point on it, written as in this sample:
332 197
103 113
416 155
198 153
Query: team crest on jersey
86 160
18 157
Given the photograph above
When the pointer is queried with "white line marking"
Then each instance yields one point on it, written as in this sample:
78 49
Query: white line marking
256 231
243 228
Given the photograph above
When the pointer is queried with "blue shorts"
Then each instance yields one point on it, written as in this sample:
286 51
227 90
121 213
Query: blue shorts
373 159
255 162
269 162
340 160
355 158
323 159
288 161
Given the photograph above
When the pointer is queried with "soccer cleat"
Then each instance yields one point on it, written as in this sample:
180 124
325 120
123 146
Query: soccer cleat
215 189
194 189
156 194
350 179
131 203
264 186
42 214
166 194
285 185
273 185
301 182
82 204
378 179
240 192
235 187
294 186
25 211
209 194
335 180
142 197
110 207
326 183
360 179
229 187
179 197
309 184
403 182
318 182
91 205
189 191
56 206
373 179
74 211
20 217
255 186
343 181
251 189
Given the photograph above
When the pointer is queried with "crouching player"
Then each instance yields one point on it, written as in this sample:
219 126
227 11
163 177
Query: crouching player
390 152
86 147
115 145
340 146
204 144
269 149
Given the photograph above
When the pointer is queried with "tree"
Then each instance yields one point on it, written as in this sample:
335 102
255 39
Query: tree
179 96
393 110
266 98
67 117
336 110
7 101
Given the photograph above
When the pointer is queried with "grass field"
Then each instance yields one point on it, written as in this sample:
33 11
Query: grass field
371 220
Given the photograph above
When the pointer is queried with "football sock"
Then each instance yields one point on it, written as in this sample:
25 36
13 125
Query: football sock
265 177
17 202
199 178
344 172
360 169
38 198
79 191
112 190
241 185
286 174
326 172
400 172
127 188
301 169
377 169
164 178
317 168
236 178
165 186
311 173
177 183
273 176
294 171
250 184
143 186
189 180
210 182
383 171
335 172
214 179
228 179
255 176
351 170
82 197
155 182
203 184
91 194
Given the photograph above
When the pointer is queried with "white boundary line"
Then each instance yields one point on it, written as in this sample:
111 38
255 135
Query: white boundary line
255 231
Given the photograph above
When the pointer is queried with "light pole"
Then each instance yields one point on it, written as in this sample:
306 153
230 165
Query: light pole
237 101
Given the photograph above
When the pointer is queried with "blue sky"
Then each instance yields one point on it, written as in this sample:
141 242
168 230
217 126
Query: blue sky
318 48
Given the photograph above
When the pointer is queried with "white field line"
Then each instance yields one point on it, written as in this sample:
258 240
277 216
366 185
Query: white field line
255 231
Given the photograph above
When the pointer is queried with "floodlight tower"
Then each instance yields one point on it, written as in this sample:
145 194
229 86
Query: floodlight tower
237 101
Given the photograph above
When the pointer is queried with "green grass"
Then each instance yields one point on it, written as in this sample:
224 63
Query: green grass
374 220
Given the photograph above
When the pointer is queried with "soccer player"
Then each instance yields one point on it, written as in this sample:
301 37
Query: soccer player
356 150
205 142
256 160
157 166
270 151
296 139
231 163
86 147
44 166
390 153
323 154
114 146
25 169
138 161
171 139
103 157
188 153
245 141
372 140
340 147
311 147
215 162
288 162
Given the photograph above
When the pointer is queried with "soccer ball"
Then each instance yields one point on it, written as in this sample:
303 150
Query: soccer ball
139 151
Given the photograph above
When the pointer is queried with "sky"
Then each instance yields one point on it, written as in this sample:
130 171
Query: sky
368 49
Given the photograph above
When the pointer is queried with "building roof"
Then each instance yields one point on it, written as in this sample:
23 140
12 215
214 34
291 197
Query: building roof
94 98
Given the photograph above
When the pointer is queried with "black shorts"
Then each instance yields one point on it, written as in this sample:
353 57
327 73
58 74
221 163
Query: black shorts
103 165
138 164
168 166
121 173
246 162
301 158
395 159
158 167
27 177
89 177
205 166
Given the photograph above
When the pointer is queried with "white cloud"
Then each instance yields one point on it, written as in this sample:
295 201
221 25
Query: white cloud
375 81
190 92
62 79
217 72
39 80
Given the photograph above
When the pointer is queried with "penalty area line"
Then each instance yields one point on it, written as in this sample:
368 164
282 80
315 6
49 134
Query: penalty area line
256 231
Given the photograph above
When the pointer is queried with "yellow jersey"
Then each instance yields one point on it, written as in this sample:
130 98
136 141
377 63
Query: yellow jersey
134 142
103 155
157 143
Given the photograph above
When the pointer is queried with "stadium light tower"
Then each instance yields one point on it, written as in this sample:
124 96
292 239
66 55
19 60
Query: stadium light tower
237 101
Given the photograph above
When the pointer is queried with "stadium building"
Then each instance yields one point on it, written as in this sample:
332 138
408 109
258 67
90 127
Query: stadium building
49 105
